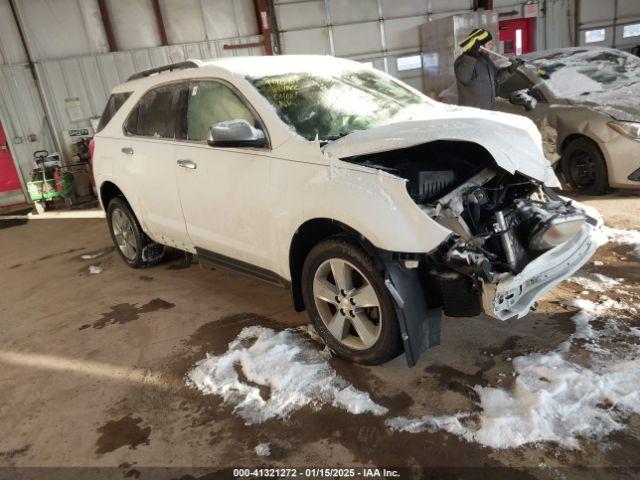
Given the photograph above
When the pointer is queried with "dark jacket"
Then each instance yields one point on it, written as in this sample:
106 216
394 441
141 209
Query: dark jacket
477 79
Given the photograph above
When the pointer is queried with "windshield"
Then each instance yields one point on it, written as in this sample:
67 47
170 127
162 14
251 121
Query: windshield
335 104
585 71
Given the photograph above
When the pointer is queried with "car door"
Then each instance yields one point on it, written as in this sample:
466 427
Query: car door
147 162
224 191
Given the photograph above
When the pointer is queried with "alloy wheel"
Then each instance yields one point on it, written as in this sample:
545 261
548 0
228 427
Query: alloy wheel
124 234
347 303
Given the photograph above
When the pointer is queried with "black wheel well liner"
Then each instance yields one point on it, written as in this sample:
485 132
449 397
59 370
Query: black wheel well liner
308 235
108 191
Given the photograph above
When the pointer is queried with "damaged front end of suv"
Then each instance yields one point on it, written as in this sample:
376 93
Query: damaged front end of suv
512 237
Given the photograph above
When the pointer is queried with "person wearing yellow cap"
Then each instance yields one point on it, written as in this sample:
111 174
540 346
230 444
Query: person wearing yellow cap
477 77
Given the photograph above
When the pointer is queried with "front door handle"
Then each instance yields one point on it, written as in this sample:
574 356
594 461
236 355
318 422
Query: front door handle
127 150
187 164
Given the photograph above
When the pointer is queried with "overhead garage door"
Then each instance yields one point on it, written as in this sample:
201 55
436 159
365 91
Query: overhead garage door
382 32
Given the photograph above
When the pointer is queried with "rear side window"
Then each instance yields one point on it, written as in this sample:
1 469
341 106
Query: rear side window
116 100
160 113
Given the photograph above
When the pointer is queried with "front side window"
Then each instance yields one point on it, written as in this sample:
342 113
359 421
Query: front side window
160 113
114 103
333 104
211 103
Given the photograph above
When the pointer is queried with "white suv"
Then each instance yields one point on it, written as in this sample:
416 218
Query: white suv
378 207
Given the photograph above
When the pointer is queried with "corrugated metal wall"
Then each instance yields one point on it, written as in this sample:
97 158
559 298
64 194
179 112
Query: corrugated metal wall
70 28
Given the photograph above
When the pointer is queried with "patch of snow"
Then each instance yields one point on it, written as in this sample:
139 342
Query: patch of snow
292 368
598 263
594 281
95 269
553 397
263 450
625 237
91 256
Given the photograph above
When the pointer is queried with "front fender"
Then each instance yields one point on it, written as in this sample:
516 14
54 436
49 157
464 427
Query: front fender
377 206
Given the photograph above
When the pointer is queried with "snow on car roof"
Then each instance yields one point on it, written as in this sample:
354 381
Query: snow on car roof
260 66
256 67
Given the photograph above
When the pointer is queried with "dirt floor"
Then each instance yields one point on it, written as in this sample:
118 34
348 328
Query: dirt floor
93 371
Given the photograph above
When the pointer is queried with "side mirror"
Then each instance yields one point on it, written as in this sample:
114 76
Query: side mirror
524 99
235 133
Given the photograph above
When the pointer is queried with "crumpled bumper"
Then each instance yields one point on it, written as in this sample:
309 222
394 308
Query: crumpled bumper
515 295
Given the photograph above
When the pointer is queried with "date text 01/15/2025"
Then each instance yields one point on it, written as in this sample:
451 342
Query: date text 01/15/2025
315 473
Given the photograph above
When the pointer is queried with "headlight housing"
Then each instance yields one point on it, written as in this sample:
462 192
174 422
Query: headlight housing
628 129
555 231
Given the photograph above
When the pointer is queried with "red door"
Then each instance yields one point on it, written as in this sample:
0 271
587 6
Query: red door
9 179
518 36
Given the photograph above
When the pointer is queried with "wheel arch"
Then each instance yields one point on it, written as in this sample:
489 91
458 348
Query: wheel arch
108 191
572 138
308 235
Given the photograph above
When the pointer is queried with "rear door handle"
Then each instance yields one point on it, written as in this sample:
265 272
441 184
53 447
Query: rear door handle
187 164
127 150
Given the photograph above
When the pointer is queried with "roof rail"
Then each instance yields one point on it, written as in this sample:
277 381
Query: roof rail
166 68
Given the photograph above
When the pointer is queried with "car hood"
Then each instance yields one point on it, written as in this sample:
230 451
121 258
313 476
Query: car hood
512 140
622 103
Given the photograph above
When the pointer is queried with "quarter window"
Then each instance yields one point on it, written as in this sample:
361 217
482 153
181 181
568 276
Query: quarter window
211 103
113 105
160 113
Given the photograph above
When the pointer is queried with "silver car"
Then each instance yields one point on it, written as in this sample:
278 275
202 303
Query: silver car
586 103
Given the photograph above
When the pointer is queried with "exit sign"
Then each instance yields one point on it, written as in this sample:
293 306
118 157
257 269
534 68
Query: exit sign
530 10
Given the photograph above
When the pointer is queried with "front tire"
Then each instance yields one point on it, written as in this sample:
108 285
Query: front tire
584 167
133 245
348 303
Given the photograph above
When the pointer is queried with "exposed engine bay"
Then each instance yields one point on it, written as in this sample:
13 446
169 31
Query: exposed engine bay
500 222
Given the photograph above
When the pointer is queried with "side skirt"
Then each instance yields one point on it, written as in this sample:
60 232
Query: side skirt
227 263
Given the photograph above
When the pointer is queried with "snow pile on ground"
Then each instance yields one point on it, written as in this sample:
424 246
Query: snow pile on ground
595 281
625 237
555 398
266 374
263 450
95 269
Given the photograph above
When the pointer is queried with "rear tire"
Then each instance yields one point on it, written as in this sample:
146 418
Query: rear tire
584 167
355 316
133 245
